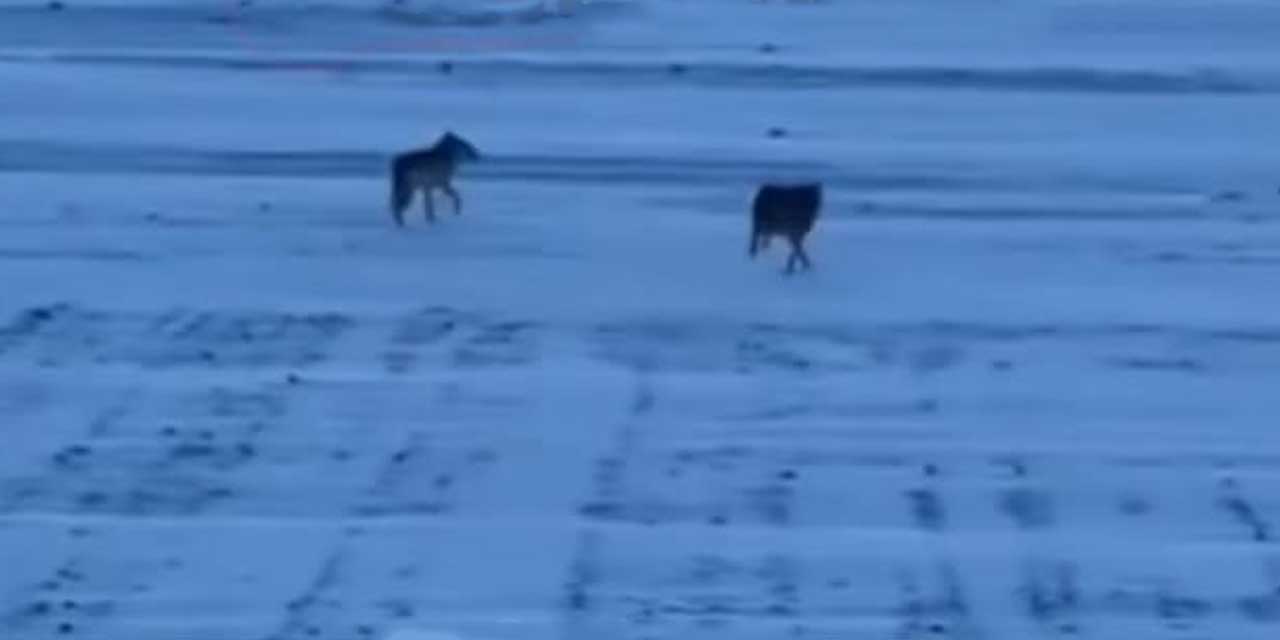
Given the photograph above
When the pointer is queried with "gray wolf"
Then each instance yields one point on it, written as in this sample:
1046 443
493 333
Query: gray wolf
426 169
788 211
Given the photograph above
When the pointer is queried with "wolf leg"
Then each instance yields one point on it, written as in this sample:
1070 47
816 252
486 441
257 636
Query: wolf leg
453 195
399 200
428 207
799 254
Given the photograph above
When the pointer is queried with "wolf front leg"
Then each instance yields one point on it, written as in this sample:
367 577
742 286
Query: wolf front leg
453 195
798 254
804 258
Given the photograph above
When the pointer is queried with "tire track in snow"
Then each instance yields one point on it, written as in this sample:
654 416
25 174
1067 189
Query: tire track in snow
609 498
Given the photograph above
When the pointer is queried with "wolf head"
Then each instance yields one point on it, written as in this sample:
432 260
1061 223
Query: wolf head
458 148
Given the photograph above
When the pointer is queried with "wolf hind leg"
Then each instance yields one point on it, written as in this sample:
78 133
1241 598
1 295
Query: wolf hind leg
428 206
401 197
397 214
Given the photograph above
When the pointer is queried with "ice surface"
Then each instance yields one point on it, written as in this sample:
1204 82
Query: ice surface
1028 392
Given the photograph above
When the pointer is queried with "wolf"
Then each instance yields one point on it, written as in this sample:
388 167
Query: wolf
785 210
429 168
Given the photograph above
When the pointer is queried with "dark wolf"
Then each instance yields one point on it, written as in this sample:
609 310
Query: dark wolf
427 169
788 211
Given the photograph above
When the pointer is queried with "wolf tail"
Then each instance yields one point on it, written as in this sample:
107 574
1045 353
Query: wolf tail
401 192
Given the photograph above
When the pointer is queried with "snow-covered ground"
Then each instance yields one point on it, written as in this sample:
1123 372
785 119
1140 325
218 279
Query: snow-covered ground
1028 392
